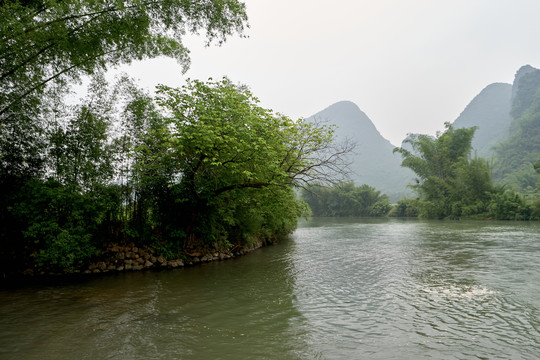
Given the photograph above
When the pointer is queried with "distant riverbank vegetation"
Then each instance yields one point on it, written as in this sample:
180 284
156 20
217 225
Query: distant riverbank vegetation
345 199
453 184
450 184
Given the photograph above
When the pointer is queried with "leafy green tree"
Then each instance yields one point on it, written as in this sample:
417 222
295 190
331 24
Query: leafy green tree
59 225
437 162
345 199
216 143
508 205
81 155
45 42
452 185
405 208
80 152
46 46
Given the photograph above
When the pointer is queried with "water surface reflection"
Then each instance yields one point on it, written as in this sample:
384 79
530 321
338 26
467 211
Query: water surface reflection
237 309
339 289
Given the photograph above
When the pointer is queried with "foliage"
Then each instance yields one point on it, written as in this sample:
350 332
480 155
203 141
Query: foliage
405 208
345 199
447 180
508 205
535 207
80 152
59 223
452 185
215 157
67 171
516 155
55 42
199 167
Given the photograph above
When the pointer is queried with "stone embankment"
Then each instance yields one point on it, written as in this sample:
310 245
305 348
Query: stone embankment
132 258
120 258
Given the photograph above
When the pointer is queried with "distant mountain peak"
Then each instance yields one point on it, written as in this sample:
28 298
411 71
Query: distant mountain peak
348 115
524 70
373 160
489 111
345 104
521 73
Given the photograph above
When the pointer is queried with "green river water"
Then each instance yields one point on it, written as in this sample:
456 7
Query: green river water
337 289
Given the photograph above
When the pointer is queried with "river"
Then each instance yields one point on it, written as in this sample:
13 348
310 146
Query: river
337 289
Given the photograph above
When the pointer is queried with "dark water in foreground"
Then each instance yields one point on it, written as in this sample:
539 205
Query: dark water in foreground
339 289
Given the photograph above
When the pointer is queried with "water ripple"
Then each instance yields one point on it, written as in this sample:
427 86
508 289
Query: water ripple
340 289
422 293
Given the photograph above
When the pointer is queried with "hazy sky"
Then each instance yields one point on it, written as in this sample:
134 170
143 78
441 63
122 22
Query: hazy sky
410 65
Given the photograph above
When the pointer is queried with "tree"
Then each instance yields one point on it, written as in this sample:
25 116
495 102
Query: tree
45 42
217 147
405 208
46 46
345 199
50 152
449 183
81 153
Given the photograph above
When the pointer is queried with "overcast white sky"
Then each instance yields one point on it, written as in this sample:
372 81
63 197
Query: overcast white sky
410 65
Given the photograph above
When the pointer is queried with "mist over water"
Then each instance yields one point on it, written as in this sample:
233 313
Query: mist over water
338 289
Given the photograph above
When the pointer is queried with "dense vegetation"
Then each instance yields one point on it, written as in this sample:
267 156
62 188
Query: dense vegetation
516 155
199 167
202 166
451 184
345 199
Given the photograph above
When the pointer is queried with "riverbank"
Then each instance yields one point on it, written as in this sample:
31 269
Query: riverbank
126 258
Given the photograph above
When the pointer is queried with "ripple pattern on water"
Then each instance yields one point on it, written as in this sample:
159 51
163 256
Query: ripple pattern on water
410 290
339 289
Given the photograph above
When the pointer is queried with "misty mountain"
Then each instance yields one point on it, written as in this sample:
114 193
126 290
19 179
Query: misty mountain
489 111
373 161
508 121
516 154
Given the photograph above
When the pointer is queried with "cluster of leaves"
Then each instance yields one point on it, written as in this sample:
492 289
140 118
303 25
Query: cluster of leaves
450 184
51 41
47 45
219 167
345 199
199 166
202 166
405 208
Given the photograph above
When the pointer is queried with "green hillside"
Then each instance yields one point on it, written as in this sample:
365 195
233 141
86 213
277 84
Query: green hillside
515 155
